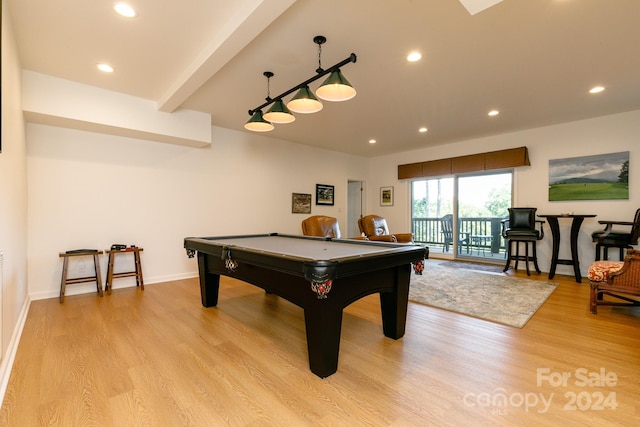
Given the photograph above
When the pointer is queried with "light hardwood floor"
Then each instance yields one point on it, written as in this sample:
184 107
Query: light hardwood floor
158 358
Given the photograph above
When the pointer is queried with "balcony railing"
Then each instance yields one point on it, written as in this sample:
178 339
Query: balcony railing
484 234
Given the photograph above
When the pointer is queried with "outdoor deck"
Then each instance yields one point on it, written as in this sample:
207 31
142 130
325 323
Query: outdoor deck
482 236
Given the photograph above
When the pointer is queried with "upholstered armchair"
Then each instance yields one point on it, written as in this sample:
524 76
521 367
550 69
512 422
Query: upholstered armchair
618 279
321 226
621 239
375 227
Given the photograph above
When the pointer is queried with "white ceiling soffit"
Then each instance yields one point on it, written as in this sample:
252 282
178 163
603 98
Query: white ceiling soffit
249 21
475 6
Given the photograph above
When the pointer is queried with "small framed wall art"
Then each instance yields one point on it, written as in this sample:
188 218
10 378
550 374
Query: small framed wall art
386 196
324 194
301 203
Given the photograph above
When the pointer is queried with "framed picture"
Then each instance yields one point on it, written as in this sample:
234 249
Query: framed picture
386 196
599 177
300 203
324 194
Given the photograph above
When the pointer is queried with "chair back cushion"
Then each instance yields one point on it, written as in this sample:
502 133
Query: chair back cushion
373 225
522 218
522 225
321 226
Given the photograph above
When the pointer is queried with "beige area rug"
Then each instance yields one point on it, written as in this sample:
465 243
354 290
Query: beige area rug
492 268
494 297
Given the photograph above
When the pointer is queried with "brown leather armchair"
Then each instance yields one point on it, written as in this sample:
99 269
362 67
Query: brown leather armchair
321 226
375 227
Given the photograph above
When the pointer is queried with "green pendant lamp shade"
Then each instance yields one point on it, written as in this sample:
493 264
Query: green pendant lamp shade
257 123
304 102
336 88
279 113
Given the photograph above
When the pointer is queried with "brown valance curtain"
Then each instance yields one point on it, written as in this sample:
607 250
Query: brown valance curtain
501 159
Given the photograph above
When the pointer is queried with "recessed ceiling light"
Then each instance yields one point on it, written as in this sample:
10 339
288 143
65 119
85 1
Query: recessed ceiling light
124 10
494 112
422 130
105 67
372 141
414 56
596 89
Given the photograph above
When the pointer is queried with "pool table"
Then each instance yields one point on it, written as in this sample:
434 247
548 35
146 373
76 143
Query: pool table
320 275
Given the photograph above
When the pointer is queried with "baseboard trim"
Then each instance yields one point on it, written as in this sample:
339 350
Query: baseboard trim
7 361
120 284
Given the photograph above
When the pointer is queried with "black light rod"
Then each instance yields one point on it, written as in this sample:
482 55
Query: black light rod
351 58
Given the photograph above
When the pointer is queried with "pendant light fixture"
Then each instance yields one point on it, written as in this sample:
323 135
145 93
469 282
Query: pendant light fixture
305 102
335 88
257 123
278 113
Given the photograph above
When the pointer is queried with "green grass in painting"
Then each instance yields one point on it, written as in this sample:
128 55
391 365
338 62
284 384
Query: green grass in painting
588 191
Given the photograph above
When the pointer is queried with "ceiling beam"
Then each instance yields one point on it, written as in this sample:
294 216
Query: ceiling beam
476 6
240 30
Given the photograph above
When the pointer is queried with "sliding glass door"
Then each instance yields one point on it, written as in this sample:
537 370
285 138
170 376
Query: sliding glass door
461 216
483 201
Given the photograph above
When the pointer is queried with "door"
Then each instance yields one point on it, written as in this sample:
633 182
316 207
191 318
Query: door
483 202
355 203
432 205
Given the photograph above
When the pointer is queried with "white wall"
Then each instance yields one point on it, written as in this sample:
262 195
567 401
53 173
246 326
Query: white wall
89 190
600 135
13 205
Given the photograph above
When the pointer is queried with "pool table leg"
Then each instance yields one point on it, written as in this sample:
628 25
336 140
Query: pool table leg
323 323
394 304
209 283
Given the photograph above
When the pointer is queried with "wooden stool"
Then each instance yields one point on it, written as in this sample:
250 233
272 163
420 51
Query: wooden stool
96 268
137 272
526 257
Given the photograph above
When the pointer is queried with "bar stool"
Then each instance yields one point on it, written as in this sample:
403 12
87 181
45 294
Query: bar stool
137 272
96 268
521 228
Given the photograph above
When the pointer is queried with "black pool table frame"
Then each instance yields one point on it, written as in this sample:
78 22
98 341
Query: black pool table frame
322 287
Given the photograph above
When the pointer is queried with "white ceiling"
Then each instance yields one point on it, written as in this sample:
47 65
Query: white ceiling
534 60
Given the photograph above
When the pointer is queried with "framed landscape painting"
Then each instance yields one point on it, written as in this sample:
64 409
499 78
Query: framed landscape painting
599 177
